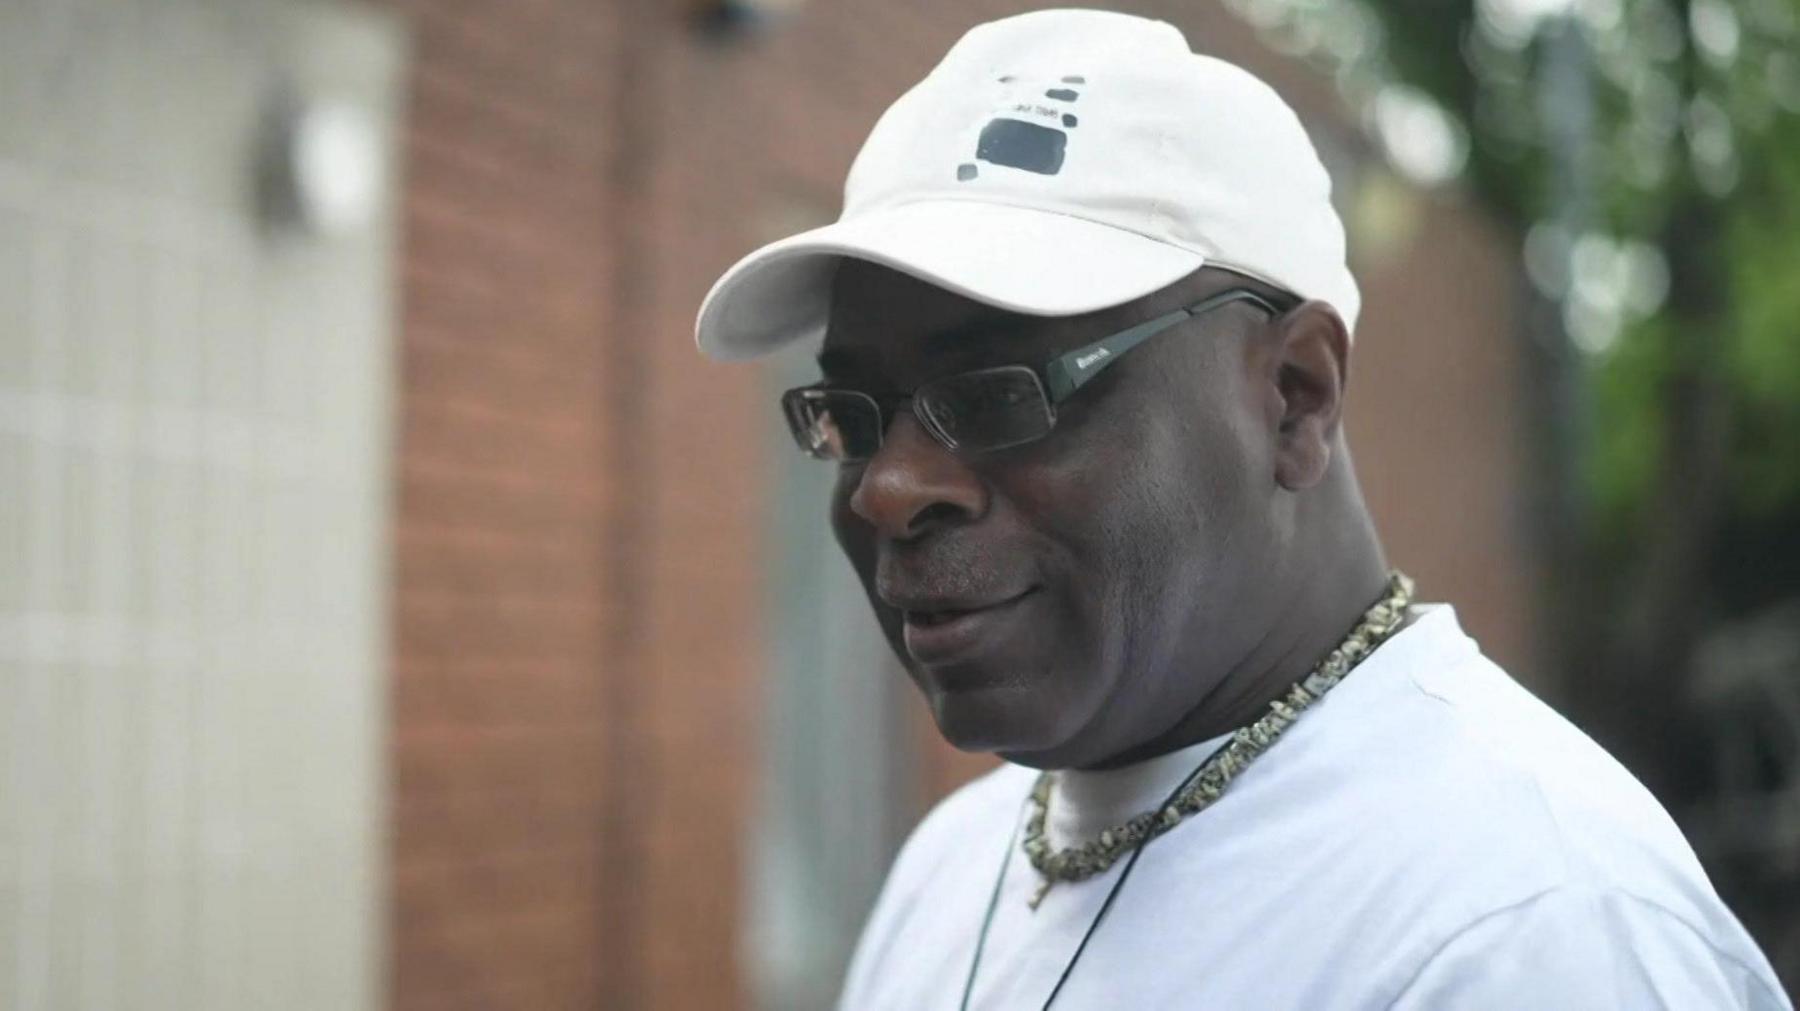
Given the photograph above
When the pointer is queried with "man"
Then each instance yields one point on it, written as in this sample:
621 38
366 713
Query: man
1086 331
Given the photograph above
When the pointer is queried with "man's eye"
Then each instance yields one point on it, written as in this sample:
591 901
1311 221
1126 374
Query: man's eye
999 398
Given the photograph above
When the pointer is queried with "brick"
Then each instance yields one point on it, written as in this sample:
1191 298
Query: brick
434 626
550 508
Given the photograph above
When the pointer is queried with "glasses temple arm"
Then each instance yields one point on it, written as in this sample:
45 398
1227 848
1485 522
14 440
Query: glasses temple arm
1069 372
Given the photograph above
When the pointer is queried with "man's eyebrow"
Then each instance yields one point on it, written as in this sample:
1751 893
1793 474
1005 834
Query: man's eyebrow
979 335
837 361
950 341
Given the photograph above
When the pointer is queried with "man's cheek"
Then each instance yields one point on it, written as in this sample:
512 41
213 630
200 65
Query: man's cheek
859 549
853 536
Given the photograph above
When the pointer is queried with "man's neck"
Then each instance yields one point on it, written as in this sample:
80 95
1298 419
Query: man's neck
1323 609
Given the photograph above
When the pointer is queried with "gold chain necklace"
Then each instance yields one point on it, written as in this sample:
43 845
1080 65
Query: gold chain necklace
1077 863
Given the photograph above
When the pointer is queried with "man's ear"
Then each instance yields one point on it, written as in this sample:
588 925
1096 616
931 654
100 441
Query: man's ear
1311 370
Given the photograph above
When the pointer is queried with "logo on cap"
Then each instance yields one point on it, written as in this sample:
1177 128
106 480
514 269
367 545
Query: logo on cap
1017 142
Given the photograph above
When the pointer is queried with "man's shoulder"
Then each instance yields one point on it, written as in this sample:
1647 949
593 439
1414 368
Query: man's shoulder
1456 805
985 807
1593 946
1492 766
1469 795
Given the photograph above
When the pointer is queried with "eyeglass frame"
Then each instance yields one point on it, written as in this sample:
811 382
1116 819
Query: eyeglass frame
1056 380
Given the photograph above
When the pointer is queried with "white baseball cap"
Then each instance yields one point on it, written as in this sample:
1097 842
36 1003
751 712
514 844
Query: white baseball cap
1056 163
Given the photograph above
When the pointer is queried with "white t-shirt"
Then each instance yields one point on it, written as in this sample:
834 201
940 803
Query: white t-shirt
1429 835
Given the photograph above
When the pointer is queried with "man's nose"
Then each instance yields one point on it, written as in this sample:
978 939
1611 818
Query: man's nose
914 483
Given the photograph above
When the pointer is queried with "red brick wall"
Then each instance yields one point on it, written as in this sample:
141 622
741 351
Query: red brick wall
581 508
1434 418
500 747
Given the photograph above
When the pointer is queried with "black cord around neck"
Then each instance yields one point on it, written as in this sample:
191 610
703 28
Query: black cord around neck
987 921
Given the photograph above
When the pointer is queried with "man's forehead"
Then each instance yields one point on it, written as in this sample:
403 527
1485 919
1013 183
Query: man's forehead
875 310
880 316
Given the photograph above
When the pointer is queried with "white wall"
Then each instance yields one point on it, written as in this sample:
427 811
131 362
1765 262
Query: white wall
194 460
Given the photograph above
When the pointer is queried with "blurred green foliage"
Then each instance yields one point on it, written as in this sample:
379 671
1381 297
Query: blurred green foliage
1645 156
1763 250
1664 125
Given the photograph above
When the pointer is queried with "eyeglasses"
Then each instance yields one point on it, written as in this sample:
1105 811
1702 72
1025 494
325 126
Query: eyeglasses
979 411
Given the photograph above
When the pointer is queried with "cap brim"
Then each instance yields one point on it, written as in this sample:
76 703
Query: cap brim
1016 258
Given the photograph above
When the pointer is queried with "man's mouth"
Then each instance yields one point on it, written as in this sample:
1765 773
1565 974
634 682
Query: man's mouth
933 618
942 634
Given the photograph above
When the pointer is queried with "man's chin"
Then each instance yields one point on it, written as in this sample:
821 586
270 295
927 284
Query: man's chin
1004 720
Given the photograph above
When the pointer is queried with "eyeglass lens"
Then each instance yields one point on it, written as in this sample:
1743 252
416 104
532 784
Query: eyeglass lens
989 409
977 411
834 424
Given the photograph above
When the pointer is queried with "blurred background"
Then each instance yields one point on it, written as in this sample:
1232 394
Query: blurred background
396 612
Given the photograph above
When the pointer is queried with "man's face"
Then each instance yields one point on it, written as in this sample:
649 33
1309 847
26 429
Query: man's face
1061 601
